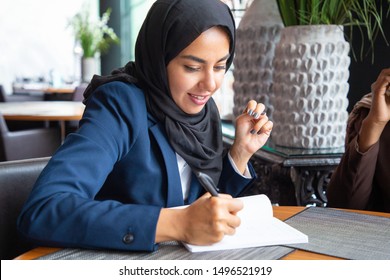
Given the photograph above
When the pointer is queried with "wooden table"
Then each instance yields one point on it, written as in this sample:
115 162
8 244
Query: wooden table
66 90
58 94
60 111
280 212
44 92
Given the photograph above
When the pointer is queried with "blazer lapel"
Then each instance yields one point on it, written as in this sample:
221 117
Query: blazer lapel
174 191
195 189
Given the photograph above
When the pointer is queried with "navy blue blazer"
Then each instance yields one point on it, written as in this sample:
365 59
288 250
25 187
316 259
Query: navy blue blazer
105 186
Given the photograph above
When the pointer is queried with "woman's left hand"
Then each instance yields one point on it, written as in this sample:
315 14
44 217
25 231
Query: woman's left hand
253 129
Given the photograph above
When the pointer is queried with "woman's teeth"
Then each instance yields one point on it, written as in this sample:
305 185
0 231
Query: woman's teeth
198 97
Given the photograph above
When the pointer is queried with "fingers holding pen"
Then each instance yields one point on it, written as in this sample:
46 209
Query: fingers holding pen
224 218
255 110
260 121
252 130
266 129
210 218
262 126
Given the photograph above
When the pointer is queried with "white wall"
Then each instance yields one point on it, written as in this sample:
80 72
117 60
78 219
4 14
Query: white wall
34 39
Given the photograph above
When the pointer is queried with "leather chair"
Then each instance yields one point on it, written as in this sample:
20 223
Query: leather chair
28 143
18 98
78 95
2 94
16 181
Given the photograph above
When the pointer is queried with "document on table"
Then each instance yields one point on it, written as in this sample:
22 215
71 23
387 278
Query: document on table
258 228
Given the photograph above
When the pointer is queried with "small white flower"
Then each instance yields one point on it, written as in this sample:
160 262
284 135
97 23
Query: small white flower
94 37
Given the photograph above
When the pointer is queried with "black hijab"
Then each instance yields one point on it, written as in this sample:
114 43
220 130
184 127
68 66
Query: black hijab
170 26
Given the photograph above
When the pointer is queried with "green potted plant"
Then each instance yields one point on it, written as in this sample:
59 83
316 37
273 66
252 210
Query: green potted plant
311 69
365 15
94 37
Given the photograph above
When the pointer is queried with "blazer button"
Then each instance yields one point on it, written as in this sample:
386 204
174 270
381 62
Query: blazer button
128 238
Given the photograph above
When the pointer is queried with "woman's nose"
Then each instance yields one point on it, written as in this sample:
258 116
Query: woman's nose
208 82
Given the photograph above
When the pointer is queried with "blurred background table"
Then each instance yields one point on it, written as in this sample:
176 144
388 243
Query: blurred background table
58 94
60 111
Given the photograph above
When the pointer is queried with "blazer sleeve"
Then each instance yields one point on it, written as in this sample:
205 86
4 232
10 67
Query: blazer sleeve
233 183
62 210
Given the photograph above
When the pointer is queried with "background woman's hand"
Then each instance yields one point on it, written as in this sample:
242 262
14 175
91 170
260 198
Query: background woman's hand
379 115
253 129
380 108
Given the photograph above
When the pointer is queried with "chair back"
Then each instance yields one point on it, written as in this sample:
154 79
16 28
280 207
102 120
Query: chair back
16 181
27 143
78 94
3 125
2 94
3 132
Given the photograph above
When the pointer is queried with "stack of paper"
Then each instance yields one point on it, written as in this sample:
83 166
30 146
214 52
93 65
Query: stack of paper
258 228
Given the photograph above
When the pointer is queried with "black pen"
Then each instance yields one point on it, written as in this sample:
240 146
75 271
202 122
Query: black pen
207 183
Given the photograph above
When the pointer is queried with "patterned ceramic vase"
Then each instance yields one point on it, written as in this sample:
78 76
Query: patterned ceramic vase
310 87
257 35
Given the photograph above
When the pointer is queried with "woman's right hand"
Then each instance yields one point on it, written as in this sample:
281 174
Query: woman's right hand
204 222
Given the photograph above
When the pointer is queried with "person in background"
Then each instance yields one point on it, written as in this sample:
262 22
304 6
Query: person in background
362 179
148 129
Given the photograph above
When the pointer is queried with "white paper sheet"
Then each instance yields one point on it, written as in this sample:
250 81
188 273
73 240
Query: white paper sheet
258 228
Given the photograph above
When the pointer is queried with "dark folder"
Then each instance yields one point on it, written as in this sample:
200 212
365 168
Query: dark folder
343 234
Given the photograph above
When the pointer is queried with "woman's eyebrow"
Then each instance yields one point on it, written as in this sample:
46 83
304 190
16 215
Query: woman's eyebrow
200 60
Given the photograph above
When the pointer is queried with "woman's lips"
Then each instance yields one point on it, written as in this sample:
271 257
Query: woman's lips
199 99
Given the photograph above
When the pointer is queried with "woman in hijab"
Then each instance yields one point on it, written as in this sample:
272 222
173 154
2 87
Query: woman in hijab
362 179
147 130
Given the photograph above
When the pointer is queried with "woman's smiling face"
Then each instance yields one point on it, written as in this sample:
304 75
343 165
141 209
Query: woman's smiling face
198 71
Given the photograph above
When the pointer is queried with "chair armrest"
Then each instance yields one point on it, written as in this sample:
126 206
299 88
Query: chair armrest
31 143
16 181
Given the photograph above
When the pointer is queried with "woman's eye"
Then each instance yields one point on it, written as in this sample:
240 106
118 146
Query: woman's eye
196 69
220 67
191 68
